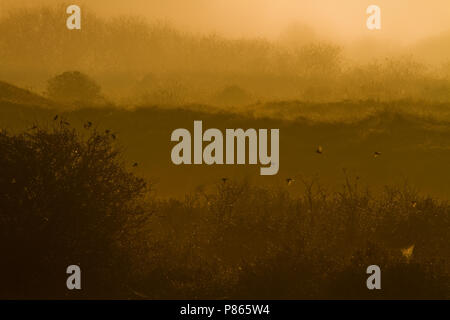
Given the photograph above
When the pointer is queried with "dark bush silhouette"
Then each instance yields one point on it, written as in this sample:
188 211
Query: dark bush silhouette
74 87
241 241
64 200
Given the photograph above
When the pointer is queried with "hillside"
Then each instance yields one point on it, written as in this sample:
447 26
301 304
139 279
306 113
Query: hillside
15 95
414 148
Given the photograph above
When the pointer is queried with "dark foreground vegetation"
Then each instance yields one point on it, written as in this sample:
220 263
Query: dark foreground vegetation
68 198
141 227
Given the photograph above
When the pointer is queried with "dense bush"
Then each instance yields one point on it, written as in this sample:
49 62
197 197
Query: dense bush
242 241
64 199
68 199
74 87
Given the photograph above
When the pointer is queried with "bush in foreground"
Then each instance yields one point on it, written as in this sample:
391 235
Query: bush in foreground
64 199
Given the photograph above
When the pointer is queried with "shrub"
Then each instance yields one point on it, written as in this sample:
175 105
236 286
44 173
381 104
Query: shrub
64 200
242 241
74 87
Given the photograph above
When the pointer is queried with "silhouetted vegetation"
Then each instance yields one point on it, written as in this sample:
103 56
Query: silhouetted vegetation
72 88
70 194
69 199
64 200
188 68
243 241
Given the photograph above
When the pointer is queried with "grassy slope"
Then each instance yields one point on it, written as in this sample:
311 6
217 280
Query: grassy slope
413 148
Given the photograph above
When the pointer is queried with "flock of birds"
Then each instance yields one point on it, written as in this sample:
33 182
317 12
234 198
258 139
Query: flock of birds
406 252
87 125
289 181
319 151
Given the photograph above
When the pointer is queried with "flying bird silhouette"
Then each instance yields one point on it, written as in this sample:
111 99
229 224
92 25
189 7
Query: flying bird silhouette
87 125
408 252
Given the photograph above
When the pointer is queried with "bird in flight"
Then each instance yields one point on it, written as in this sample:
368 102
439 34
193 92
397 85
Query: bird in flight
319 150
408 252
88 125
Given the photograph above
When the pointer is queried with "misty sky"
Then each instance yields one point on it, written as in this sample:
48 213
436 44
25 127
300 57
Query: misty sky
402 20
